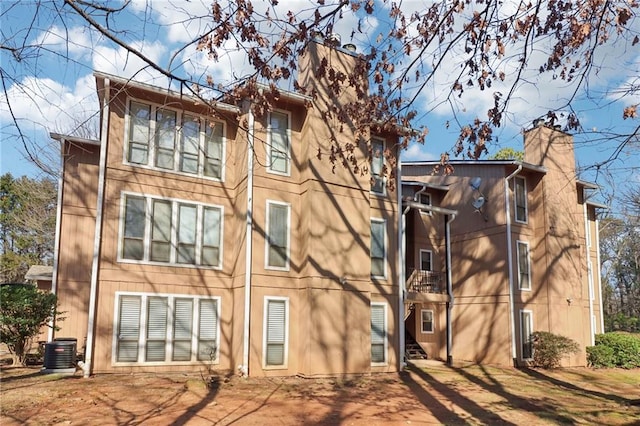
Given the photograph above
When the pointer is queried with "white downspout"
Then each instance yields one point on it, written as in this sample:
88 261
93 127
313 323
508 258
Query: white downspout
514 354
402 251
450 302
587 244
244 368
104 131
56 242
599 275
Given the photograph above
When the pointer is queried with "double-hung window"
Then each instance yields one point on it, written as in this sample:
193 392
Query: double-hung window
161 328
426 321
169 139
526 329
276 322
426 260
378 333
425 199
378 248
171 231
524 265
521 199
279 143
377 166
278 235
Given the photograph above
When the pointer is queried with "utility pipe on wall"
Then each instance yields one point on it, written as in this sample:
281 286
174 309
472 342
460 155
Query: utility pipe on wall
447 237
56 242
402 273
587 244
95 266
244 368
512 314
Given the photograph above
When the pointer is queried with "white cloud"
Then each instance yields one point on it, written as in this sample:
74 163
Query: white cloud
418 152
76 41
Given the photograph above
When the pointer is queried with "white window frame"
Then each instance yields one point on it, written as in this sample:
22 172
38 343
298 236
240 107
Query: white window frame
151 152
422 322
265 323
382 305
430 259
529 314
426 199
385 245
267 236
519 244
144 298
269 161
148 228
374 156
515 199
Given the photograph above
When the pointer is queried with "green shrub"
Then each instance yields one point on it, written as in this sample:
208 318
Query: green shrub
549 349
619 349
600 356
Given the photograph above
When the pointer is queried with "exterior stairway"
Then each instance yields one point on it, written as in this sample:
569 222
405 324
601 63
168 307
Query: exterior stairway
412 350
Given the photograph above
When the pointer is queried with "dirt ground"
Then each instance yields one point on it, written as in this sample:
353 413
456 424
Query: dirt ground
429 394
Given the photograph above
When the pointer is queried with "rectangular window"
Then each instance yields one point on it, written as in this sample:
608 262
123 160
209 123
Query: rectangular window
521 199
275 332
378 333
377 166
277 238
165 138
426 257
524 269
526 329
189 144
214 143
426 321
278 143
139 130
170 231
182 143
378 248
425 199
134 225
176 328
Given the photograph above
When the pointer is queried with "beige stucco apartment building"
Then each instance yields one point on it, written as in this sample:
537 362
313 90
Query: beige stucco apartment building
523 245
193 236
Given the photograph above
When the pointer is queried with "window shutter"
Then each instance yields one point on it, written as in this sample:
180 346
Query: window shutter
378 333
182 329
156 328
128 329
276 318
208 331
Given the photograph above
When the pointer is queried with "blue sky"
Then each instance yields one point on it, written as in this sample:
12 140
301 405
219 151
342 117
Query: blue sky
54 90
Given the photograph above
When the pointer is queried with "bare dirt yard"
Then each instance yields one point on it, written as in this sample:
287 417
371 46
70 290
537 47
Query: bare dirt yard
429 394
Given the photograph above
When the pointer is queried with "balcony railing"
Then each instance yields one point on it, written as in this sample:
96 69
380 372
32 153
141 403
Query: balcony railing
427 282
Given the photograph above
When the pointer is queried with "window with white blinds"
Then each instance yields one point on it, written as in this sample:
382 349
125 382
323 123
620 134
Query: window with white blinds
154 328
275 332
378 248
277 239
168 139
378 333
278 143
171 231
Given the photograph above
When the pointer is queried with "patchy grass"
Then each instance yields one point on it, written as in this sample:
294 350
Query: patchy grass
429 394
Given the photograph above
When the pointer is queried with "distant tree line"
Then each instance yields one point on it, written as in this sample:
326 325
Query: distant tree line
27 224
620 256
